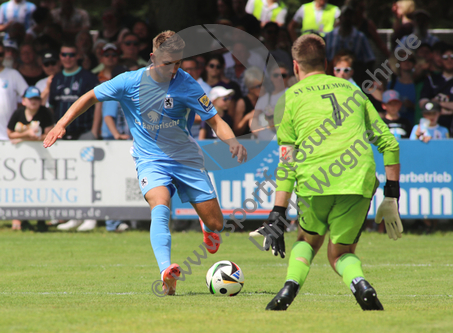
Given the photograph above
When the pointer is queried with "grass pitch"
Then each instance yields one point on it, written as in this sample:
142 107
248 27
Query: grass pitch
101 282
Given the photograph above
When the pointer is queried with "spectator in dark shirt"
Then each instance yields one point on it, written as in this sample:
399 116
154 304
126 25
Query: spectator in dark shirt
112 30
31 122
391 103
70 18
66 87
141 29
220 98
29 68
439 88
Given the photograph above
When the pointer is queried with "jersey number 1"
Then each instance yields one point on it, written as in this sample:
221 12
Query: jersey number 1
336 107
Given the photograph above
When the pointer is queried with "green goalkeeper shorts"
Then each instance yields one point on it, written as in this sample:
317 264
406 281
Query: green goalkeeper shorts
343 215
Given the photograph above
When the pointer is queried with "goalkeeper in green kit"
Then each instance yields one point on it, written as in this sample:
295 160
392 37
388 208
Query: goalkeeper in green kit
326 125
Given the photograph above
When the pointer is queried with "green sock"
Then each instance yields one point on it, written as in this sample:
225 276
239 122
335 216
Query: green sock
349 267
297 269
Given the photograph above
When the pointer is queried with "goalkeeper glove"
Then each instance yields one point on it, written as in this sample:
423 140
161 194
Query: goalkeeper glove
388 210
273 231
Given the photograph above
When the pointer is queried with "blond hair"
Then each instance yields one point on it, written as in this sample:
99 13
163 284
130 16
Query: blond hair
310 52
168 41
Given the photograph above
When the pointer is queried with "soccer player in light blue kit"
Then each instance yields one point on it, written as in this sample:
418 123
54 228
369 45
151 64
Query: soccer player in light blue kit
160 102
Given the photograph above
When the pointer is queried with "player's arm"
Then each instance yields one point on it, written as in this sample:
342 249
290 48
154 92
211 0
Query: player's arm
389 147
224 133
273 228
80 106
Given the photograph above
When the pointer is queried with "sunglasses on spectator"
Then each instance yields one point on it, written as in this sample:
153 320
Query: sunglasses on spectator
215 66
345 70
446 56
283 75
68 54
130 42
110 55
49 63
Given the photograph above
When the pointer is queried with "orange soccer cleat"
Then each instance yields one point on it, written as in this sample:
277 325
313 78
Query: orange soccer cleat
169 278
211 239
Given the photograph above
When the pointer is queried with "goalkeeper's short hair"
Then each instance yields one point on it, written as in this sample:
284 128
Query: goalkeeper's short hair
168 41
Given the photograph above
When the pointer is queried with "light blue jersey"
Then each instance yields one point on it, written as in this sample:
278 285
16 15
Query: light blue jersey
436 132
160 115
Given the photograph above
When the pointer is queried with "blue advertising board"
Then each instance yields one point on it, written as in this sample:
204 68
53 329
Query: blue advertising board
426 180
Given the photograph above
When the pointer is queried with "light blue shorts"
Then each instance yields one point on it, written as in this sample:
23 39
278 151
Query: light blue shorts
193 185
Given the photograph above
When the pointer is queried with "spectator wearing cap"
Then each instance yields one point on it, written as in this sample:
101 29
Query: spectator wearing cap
31 122
51 65
29 67
16 11
403 83
439 88
429 129
391 103
109 59
11 58
220 98
267 11
12 87
347 37
130 48
317 16
71 19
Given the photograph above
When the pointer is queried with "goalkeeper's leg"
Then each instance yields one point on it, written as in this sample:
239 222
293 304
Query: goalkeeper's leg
302 254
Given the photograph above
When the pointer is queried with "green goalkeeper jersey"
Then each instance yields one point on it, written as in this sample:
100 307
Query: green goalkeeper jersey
330 124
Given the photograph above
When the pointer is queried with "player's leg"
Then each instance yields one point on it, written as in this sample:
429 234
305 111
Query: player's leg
345 223
194 186
313 222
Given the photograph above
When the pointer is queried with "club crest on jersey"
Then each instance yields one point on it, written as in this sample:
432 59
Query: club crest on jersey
75 86
205 103
153 116
4 84
168 103
66 91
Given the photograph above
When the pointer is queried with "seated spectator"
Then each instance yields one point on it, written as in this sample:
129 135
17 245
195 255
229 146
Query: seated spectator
12 87
270 34
253 79
343 67
437 65
317 17
262 124
220 98
11 57
51 65
71 19
141 29
403 82
347 37
365 25
439 88
391 103
16 11
29 68
42 17
242 18
31 122
429 129
267 11
111 31
85 57
109 59
129 48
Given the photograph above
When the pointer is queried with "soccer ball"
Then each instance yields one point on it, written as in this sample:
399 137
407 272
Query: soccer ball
224 278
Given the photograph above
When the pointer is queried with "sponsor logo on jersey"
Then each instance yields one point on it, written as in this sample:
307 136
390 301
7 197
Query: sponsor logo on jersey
168 103
205 103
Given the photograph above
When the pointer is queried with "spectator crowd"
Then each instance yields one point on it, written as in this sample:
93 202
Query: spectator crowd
49 58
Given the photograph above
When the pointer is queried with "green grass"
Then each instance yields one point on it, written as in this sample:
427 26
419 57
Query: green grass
101 282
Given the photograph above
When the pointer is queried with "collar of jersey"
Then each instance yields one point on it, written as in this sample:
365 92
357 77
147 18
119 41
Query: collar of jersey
73 73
